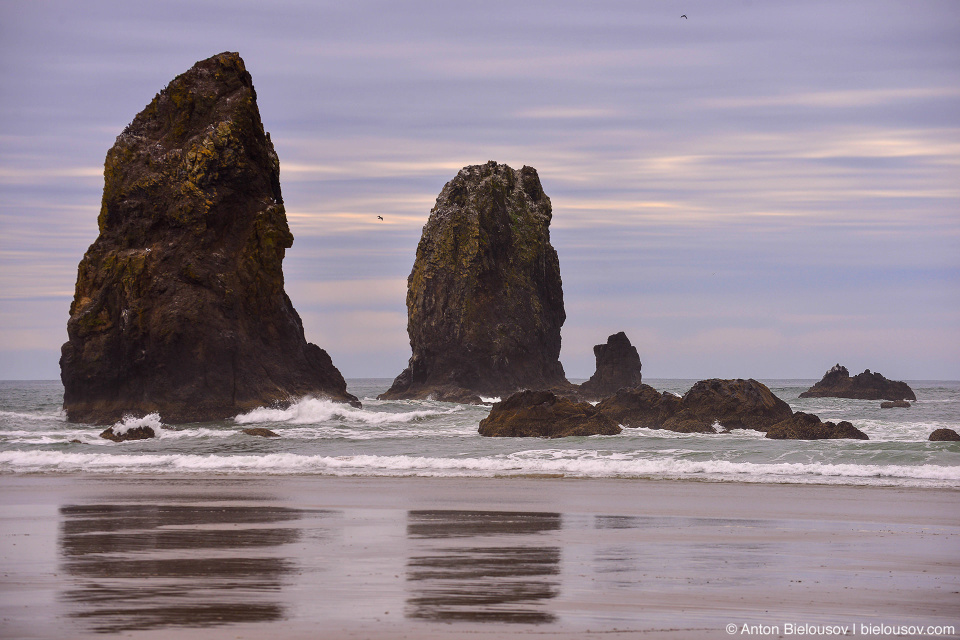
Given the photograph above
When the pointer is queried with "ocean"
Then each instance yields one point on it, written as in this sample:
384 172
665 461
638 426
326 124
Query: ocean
437 439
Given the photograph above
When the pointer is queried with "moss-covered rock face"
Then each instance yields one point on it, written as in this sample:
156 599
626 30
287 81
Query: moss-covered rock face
180 306
484 299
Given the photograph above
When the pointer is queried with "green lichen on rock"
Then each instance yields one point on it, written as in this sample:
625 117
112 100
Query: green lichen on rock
484 298
180 305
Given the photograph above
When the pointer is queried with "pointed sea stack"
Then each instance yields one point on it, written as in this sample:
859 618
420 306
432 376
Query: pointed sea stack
618 367
837 383
180 307
484 299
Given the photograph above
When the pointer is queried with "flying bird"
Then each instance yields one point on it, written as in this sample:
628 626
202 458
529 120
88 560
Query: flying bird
379 217
684 16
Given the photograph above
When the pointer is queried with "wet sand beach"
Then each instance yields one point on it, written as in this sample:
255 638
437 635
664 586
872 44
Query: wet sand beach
326 557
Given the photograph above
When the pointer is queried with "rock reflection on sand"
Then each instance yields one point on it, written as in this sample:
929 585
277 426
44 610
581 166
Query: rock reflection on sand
137 566
507 582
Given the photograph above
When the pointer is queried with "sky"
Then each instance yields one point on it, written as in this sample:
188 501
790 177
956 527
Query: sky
763 189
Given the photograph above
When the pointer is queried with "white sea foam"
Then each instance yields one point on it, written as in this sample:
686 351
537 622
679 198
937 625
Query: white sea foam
151 420
494 400
598 466
196 432
319 410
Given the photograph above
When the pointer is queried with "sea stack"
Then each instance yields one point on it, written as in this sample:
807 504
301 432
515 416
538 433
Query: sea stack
837 383
618 367
180 307
484 298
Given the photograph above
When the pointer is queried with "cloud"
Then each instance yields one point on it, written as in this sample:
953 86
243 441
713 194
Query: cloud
21 176
811 164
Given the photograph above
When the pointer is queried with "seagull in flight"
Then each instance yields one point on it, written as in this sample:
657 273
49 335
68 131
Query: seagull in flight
684 16
379 217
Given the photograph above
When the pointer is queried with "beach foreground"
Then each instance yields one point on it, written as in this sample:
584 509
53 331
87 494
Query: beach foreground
327 557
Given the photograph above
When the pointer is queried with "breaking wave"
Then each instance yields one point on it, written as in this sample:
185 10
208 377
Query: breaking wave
318 410
525 463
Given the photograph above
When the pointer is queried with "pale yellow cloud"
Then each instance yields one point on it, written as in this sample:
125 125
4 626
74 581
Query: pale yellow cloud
23 175
348 293
359 331
834 99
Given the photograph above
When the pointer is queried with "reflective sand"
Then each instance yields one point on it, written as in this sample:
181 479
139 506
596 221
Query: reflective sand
412 557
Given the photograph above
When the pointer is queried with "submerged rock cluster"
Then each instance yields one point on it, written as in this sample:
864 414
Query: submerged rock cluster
731 404
180 305
806 426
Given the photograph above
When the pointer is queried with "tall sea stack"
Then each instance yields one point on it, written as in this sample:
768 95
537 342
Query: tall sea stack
484 299
180 307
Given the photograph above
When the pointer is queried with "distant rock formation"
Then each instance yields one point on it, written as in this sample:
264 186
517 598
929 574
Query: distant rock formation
837 383
484 298
542 414
734 404
618 367
944 435
180 307
896 404
133 433
806 426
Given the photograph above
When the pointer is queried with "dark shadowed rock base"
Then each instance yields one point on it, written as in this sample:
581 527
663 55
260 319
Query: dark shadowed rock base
837 383
641 406
618 367
734 404
806 426
945 435
261 432
543 414
134 433
484 298
180 307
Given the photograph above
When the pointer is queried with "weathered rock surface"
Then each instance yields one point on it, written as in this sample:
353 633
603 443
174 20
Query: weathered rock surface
484 298
641 406
133 433
896 404
618 367
837 383
544 414
945 435
735 404
261 432
180 306
806 426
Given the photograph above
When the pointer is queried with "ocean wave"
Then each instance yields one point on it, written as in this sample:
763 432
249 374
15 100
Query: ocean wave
527 463
318 410
151 420
58 416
